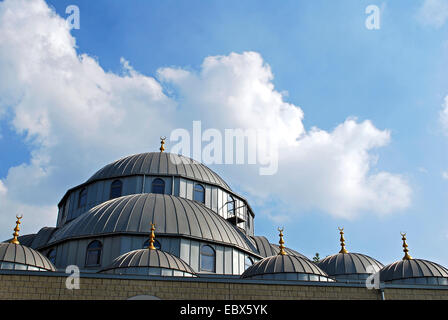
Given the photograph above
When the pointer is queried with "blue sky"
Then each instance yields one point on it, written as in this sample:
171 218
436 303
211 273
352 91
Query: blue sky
330 65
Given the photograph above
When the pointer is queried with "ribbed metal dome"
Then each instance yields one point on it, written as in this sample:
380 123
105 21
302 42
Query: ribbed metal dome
145 258
159 163
172 215
283 264
414 268
349 264
19 254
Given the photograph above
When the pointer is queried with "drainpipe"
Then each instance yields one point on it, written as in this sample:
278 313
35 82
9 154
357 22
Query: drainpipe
383 297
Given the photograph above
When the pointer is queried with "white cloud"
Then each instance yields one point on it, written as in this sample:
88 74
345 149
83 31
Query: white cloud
330 171
77 117
444 115
433 13
445 175
3 189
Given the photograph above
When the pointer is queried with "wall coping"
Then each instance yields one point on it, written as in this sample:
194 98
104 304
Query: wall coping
216 279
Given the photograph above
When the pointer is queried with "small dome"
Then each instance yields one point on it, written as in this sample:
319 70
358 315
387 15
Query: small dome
286 267
267 249
19 257
149 262
160 163
414 271
350 266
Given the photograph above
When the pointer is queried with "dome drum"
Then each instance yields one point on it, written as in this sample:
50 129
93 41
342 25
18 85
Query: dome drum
414 271
149 262
19 257
172 215
350 267
286 267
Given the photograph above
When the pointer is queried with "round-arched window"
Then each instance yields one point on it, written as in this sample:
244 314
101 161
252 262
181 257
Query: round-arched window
116 189
208 258
199 193
51 255
158 186
248 262
230 205
82 200
157 244
93 254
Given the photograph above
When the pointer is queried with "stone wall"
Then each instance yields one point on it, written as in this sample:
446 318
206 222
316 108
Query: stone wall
23 286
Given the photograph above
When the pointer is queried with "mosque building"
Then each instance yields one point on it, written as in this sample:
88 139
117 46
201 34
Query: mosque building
165 217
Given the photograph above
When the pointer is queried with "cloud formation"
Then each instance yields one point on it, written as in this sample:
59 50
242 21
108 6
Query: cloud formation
433 13
444 116
76 117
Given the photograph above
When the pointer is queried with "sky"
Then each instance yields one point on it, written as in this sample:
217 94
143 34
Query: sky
360 115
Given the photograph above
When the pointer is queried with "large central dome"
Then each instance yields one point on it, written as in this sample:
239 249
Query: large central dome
172 215
159 163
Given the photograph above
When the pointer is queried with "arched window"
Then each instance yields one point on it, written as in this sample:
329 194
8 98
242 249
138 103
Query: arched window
207 259
115 189
158 186
156 244
51 255
93 254
199 193
82 200
230 204
248 262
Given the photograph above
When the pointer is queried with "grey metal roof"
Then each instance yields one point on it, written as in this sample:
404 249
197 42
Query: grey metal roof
159 163
25 240
283 264
171 215
414 268
17 253
267 249
42 237
349 263
150 259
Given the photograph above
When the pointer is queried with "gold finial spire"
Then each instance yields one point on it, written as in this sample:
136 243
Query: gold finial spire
405 247
151 237
16 231
162 142
281 242
341 232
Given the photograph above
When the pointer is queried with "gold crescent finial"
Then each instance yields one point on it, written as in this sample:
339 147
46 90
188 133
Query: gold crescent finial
152 237
162 142
341 232
281 242
16 230
405 247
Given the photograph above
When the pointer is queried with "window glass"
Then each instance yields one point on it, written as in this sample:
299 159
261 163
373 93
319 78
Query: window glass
116 189
93 255
156 244
51 255
230 205
207 259
314 277
199 193
248 262
82 200
158 186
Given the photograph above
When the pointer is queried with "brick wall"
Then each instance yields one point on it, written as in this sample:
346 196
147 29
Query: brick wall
22 286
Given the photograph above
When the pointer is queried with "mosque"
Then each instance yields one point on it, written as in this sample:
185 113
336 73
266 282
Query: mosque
164 216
